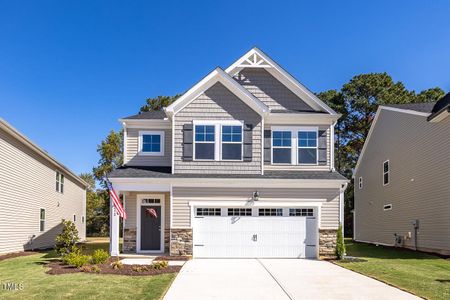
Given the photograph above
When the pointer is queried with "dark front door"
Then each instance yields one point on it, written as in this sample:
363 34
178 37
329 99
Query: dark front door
150 228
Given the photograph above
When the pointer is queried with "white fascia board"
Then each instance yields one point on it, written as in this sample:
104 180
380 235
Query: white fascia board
284 77
133 184
146 123
374 122
314 119
218 75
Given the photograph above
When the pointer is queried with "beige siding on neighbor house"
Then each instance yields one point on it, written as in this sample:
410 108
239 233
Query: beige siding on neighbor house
329 199
217 103
133 158
130 208
270 91
27 183
418 152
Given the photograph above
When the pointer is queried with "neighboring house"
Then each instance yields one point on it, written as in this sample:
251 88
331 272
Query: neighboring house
241 165
402 179
36 193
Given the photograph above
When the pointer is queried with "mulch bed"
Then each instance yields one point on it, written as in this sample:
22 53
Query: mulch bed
58 268
16 254
184 258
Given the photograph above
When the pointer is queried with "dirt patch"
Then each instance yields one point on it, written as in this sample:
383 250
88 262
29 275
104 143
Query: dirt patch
184 258
16 254
58 268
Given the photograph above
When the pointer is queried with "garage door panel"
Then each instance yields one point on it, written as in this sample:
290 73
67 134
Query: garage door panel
263 237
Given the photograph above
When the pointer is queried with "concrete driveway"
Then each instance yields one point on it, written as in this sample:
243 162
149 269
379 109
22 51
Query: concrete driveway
275 279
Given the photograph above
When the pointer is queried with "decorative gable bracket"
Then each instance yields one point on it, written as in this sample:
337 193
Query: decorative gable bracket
254 61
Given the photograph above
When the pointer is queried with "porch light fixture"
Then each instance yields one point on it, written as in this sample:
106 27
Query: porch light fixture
255 196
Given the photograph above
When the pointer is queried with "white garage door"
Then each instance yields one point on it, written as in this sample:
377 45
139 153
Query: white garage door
254 236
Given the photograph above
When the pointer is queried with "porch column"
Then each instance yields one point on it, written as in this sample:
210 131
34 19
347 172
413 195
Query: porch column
113 230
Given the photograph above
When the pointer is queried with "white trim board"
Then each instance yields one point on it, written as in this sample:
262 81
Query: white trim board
283 76
374 122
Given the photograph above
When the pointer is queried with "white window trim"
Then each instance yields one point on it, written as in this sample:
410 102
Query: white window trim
360 183
58 176
388 172
241 142
40 220
217 138
152 132
59 182
294 143
387 207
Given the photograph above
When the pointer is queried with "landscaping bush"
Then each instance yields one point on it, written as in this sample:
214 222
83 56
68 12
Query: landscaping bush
76 259
340 245
95 269
139 269
100 256
66 240
158 265
117 265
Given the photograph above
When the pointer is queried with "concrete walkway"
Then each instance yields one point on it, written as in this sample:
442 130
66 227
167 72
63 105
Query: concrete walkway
275 279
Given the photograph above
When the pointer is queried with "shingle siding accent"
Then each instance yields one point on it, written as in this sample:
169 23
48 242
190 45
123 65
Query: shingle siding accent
418 153
270 91
217 103
134 159
27 183
328 197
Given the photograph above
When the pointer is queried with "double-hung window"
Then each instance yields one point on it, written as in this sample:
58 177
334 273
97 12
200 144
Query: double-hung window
151 143
42 220
281 147
307 147
59 182
386 172
231 142
204 142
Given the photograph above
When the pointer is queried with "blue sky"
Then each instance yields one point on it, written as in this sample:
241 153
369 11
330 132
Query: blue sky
69 70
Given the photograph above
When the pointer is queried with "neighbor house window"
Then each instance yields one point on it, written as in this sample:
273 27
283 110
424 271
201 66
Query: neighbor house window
268 212
387 207
204 142
42 220
231 142
360 182
281 147
208 211
301 212
151 143
239 211
59 182
386 172
307 147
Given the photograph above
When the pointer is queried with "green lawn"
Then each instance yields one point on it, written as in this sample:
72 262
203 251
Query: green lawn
422 274
30 271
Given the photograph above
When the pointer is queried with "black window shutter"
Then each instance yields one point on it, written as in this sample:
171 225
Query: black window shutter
322 147
267 144
187 142
248 142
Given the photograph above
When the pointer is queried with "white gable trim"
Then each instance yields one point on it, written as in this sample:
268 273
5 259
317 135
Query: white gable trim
218 75
374 122
251 59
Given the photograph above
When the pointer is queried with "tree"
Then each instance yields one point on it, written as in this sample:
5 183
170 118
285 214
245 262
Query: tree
111 155
97 208
430 95
158 103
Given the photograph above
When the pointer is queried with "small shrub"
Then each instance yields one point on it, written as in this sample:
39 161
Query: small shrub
86 269
95 269
100 256
340 245
66 240
139 269
76 259
117 265
158 265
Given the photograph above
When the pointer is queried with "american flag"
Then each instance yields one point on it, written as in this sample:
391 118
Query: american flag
116 200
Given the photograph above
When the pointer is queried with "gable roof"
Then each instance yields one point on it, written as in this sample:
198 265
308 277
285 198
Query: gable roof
218 75
255 58
154 114
426 107
8 128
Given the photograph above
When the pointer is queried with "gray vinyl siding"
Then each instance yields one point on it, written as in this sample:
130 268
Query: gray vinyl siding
27 184
326 166
418 153
130 208
217 103
132 154
270 91
328 197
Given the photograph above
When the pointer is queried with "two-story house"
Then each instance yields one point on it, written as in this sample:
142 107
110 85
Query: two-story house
241 165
